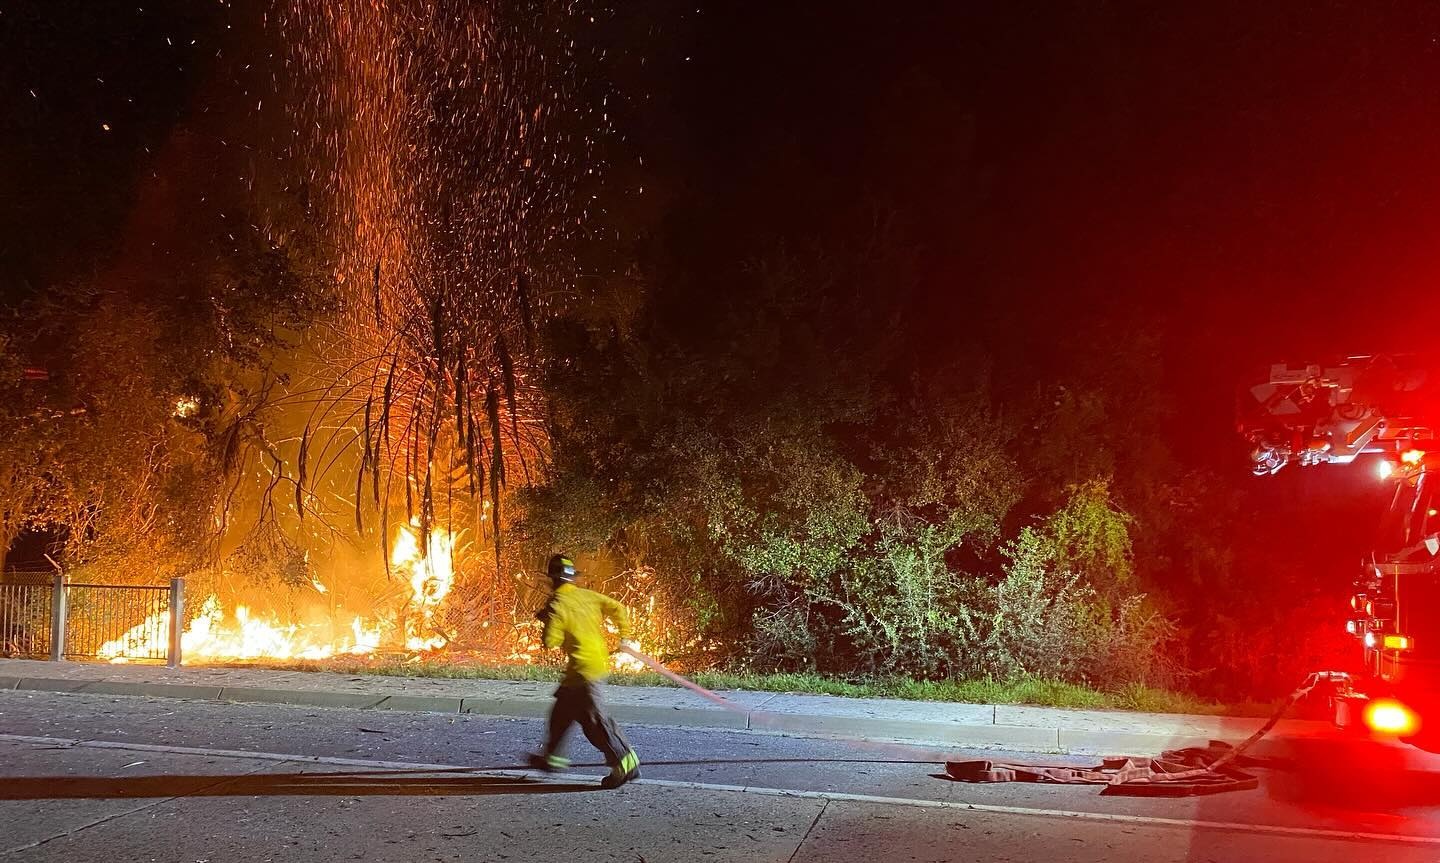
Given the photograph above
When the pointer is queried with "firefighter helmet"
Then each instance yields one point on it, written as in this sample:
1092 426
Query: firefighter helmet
561 569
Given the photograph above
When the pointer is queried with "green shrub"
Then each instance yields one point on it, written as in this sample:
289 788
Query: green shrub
898 609
898 606
1043 621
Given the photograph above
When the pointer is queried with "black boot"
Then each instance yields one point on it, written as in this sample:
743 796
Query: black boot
626 770
548 763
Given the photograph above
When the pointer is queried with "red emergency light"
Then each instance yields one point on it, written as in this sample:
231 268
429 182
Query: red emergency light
1388 716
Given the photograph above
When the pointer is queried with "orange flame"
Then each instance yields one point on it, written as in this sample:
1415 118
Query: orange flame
214 635
244 634
431 576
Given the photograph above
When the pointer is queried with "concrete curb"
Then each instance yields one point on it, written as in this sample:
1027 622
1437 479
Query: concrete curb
290 697
1024 738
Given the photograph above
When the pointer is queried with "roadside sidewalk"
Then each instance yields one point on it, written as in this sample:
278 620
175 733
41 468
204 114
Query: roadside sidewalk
1026 729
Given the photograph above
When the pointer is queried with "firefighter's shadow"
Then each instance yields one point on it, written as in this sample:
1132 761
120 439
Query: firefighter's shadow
316 784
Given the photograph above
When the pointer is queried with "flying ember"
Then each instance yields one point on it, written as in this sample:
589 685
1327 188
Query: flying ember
438 150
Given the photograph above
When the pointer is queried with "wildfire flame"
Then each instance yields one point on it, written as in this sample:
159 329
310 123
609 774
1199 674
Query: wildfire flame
215 635
619 660
249 637
626 662
431 577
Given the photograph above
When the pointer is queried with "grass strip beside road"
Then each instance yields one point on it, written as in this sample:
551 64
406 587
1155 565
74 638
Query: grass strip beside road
1021 691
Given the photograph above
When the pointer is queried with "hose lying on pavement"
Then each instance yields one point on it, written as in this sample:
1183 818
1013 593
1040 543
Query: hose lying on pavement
1174 773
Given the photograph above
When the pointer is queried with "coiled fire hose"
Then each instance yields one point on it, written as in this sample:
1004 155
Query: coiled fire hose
1174 773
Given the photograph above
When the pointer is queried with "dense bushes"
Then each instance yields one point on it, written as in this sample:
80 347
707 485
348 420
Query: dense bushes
798 498
901 610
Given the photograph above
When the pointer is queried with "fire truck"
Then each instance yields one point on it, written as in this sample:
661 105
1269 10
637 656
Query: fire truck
1376 411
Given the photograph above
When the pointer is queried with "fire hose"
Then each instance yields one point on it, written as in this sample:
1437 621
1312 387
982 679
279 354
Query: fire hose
761 719
1174 773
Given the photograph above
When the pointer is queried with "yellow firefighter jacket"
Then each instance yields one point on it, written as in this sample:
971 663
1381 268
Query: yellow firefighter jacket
576 622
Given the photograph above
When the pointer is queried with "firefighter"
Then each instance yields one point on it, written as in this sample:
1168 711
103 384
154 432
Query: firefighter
574 620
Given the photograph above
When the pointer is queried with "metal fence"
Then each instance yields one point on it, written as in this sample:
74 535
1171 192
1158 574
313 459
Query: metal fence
25 614
104 621
58 619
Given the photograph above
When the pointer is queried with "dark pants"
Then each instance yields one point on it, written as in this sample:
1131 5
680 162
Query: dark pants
581 703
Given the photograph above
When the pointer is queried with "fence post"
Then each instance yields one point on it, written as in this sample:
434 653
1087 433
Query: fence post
177 620
57 618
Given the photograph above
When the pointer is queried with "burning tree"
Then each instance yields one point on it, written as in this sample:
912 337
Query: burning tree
444 154
359 239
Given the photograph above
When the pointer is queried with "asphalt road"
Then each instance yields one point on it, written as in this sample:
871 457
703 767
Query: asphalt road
90 777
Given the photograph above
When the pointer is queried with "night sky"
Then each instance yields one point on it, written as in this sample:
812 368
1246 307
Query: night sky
1257 175
91 91
1259 182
